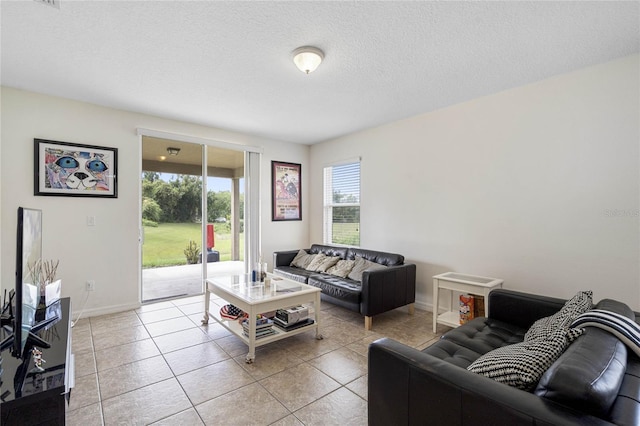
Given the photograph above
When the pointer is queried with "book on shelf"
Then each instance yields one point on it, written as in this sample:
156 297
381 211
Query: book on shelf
261 333
261 323
281 325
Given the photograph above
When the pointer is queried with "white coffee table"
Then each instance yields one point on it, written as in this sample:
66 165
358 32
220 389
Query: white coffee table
256 298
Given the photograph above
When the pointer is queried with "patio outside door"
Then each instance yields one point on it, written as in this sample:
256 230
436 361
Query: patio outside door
185 216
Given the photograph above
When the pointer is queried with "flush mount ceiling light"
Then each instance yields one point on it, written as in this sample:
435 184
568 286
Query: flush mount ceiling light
307 58
173 151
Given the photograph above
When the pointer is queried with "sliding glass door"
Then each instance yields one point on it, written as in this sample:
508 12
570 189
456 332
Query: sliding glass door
193 215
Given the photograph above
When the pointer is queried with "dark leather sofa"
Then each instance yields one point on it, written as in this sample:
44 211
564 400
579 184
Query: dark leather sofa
379 291
596 381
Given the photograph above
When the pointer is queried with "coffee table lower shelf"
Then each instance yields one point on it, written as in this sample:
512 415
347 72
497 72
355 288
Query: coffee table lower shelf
235 327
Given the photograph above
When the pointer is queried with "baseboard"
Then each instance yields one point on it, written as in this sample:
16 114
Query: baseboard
105 310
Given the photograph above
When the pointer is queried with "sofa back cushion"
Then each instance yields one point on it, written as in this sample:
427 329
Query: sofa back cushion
588 375
383 258
302 259
330 251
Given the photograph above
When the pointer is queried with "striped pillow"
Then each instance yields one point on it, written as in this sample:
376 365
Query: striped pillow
625 329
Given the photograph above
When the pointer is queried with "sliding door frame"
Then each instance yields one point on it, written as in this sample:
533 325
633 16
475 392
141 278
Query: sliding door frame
252 217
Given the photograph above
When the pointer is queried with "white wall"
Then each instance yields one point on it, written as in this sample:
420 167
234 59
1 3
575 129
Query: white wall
109 251
538 185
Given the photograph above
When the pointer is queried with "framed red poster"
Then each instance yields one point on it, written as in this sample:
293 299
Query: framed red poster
286 191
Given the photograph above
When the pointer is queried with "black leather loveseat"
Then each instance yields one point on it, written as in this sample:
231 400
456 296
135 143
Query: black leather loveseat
377 291
596 380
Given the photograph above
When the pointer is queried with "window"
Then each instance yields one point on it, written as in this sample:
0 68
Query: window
342 204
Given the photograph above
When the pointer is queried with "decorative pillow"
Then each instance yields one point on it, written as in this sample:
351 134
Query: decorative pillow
625 329
342 268
302 259
579 304
316 262
327 263
360 265
522 365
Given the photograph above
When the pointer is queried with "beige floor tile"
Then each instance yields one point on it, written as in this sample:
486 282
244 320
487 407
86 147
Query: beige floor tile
360 387
270 359
81 341
85 364
160 315
306 346
85 392
362 346
233 345
188 417
192 308
124 354
343 365
111 338
341 407
250 405
82 324
111 322
213 329
169 326
146 405
91 415
214 380
128 377
180 340
305 385
290 420
195 357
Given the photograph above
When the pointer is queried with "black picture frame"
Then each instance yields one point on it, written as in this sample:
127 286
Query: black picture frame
74 170
286 191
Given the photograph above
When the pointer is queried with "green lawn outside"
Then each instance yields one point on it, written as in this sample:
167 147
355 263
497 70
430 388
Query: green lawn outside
164 245
349 232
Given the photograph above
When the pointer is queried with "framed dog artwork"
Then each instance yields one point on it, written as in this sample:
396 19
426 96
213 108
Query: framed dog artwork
74 170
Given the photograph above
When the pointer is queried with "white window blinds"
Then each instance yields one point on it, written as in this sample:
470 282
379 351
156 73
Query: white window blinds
342 204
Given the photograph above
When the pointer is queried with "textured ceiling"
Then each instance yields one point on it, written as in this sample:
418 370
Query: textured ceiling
229 65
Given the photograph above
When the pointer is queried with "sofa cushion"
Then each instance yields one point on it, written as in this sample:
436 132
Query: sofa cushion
577 305
332 251
302 259
293 273
341 268
328 262
316 262
360 265
340 288
383 258
463 345
522 365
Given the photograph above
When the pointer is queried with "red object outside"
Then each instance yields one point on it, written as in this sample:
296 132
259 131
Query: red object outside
210 240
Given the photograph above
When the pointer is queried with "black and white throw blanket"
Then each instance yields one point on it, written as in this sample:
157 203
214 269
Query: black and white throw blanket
625 329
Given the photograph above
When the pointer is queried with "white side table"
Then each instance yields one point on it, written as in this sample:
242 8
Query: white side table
463 283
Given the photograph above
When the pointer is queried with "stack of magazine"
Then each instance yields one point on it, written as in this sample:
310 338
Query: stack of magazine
264 327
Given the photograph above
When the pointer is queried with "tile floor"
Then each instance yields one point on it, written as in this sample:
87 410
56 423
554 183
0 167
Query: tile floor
158 365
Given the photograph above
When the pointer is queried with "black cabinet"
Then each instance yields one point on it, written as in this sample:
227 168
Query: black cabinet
32 397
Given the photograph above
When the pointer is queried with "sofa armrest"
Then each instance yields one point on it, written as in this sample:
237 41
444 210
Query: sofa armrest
407 386
387 289
521 309
284 258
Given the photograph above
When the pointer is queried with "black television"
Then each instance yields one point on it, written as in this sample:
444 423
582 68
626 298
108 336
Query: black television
27 295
